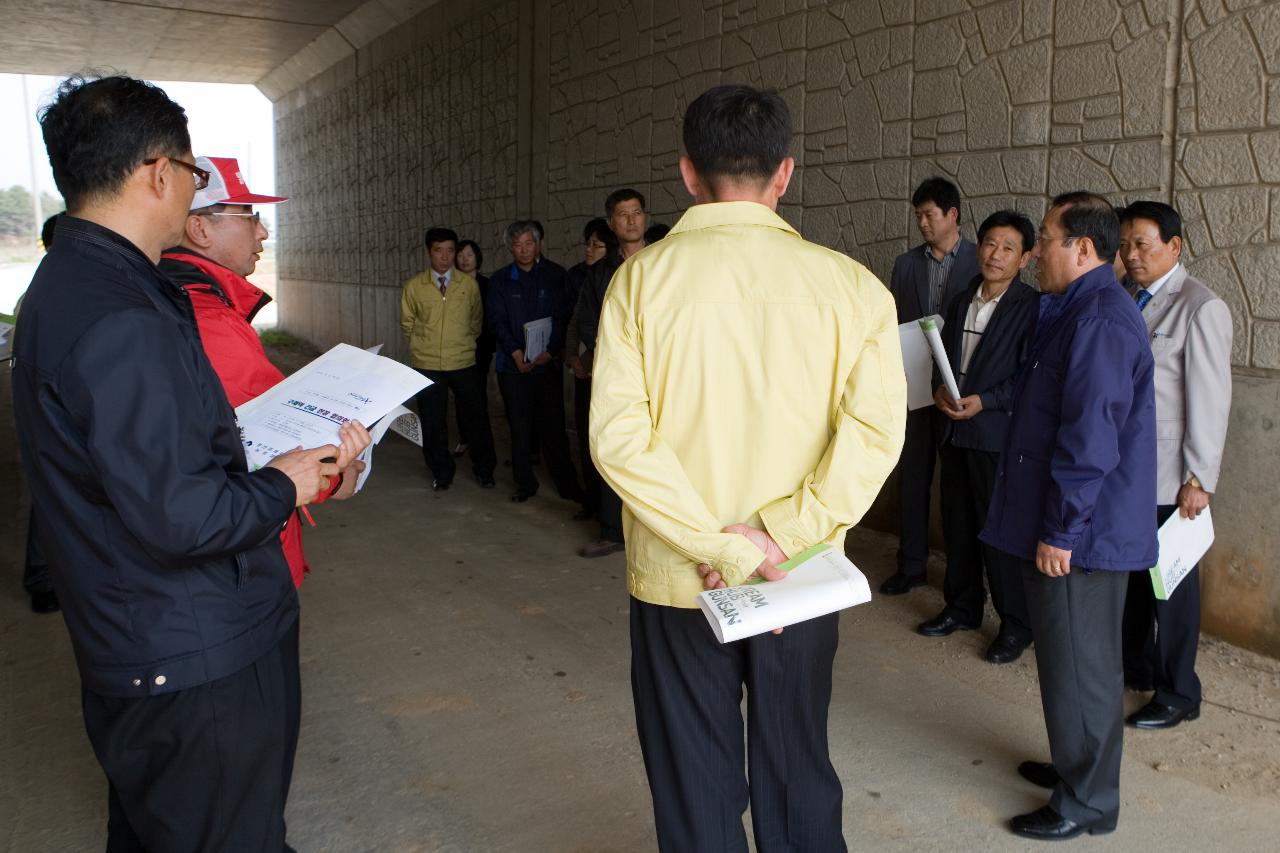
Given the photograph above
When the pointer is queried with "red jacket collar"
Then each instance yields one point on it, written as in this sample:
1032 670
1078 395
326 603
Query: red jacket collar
246 299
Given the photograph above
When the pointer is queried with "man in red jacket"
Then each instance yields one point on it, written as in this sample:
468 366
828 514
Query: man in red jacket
221 244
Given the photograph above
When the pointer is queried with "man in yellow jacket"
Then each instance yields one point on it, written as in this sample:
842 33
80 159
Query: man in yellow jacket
441 314
749 401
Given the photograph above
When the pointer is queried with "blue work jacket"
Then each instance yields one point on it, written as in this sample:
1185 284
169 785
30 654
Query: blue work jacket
1078 469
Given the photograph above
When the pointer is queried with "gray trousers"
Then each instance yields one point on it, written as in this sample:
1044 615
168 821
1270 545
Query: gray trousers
1075 623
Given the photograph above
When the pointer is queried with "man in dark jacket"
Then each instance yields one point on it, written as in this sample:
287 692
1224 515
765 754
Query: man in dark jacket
1072 502
987 332
924 280
529 290
167 561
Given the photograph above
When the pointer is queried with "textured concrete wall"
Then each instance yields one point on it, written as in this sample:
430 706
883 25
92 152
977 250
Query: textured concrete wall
483 111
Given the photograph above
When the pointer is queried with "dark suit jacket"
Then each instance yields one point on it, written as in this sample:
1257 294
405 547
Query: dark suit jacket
996 361
909 282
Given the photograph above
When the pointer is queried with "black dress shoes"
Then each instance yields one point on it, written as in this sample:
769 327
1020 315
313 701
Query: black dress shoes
44 602
1005 648
942 626
1039 773
486 482
584 514
1044 824
440 485
900 583
1157 715
521 497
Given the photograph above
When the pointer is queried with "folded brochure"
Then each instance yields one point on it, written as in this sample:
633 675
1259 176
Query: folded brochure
819 581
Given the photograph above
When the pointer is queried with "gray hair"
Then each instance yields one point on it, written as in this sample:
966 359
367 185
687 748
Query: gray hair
523 226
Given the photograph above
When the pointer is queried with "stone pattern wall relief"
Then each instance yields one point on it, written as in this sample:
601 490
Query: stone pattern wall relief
427 135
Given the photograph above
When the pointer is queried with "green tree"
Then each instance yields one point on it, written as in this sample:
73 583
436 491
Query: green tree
17 216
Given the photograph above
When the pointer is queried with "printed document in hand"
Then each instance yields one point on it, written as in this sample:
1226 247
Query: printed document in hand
400 421
819 581
1183 541
307 408
537 338
917 358
932 327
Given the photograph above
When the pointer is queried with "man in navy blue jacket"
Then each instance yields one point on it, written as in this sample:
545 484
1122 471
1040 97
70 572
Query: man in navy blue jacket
532 288
1073 501
167 562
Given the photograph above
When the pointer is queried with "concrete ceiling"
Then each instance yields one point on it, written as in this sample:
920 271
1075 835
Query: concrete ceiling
274 43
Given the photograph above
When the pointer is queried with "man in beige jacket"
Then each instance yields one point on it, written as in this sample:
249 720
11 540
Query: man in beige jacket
440 315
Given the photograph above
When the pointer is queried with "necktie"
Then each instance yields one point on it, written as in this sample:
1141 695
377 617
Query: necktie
444 285
1143 297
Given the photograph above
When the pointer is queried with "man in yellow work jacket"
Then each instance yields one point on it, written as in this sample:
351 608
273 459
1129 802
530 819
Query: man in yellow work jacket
743 377
441 315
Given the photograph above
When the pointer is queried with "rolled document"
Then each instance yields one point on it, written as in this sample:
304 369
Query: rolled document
819 581
929 325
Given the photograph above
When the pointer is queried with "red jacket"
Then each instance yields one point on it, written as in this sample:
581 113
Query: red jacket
225 304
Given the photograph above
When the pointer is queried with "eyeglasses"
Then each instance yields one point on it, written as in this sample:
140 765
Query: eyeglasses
200 175
254 217
1049 238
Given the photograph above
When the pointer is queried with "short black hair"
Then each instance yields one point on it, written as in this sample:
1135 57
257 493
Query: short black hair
98 130
1165 217
656 232
737 133
1086 214
1010 219
46 231
440 235
475 247
940 191
617 197
600 229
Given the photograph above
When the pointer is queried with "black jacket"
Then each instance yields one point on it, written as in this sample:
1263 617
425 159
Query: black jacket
591 297
995 365
166 557
516 298
909 281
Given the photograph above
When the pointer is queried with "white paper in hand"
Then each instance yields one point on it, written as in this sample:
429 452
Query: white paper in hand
400 421
1183 542
917 358
819 581
537 338
931 327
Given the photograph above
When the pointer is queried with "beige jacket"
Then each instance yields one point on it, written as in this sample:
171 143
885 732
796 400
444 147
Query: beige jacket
441 329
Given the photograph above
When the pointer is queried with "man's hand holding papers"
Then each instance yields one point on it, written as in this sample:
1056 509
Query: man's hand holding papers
309 474
768 568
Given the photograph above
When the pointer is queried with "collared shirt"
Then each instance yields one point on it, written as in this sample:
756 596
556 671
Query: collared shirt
939 270
741 374
1155 286
975 324
442 285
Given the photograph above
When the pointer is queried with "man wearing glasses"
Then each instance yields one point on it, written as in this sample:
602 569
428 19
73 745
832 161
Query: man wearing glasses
221 245
167 558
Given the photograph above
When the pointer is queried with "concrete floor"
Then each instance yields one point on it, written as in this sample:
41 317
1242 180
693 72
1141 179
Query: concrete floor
466 689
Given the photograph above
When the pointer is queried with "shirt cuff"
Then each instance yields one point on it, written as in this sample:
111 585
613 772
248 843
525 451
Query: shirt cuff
781 524
737 560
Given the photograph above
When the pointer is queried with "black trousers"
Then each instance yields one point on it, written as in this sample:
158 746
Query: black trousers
35 570
687 689
484 361
433 407
535 403
968 478
598 496
1161 638
915 478
202 770
1075 621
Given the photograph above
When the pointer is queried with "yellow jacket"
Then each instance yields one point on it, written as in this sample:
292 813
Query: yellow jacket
741 374
442 330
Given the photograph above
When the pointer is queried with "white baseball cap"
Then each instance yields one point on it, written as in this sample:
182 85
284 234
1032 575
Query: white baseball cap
226 186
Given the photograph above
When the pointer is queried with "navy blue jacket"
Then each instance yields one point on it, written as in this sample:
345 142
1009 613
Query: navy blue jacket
167 557
909 282
993 371
1078 470
517 297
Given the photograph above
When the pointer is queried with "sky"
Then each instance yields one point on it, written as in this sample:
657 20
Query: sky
225 120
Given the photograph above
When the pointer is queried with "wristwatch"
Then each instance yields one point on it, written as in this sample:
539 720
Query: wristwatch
1192 481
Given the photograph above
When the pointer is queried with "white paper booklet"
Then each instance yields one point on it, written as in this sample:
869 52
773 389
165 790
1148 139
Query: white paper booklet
537 338
1183 541
819 581
307 408
400 421
932 328
917 358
